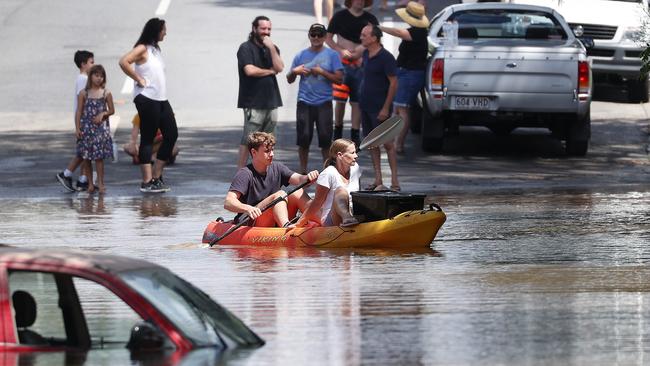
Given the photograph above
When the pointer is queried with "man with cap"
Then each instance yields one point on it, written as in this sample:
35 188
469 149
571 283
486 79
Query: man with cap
411 62
318 67
258 62
346 25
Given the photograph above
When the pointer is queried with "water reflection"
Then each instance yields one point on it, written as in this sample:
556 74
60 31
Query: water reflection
521 278
270 253
156 205
87 205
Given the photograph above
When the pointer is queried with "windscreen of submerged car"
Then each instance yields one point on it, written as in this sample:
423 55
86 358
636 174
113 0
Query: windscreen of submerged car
202 320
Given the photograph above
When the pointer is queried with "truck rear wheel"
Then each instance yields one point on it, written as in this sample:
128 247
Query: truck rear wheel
638 90
578 134
432 132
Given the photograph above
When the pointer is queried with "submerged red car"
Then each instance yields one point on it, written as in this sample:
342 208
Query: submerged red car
63 306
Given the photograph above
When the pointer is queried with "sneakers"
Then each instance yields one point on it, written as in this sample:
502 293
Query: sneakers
154 186
82 186
160 185
66 182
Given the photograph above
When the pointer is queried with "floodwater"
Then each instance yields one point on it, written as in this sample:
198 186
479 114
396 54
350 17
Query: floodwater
534 278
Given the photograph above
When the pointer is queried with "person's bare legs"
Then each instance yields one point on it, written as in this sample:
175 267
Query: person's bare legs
318 11
297 201
280 213
74 163
145 169
341 208
99 165
303 157
339 114
86 169
355 121
158 167
243 156
404 113
89 170
375 154
392 162
329 9
325 152
356 115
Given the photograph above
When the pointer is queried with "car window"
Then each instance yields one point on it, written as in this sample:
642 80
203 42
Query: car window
43 319
50 309
507 24
109 319
202 320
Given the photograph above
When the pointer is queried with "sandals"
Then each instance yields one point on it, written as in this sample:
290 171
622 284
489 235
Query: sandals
370 187
396 188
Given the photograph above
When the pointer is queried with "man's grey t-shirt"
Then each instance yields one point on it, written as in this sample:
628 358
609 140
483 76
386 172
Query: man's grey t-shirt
254 187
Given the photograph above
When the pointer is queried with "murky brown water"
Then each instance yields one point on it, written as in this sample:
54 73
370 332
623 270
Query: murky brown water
546 278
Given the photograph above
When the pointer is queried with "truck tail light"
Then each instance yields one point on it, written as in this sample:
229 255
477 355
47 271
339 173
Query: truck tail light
437 77
583 77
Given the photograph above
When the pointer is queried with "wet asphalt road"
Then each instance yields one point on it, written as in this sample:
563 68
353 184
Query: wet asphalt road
36 121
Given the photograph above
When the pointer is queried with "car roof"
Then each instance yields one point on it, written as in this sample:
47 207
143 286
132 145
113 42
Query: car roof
76 259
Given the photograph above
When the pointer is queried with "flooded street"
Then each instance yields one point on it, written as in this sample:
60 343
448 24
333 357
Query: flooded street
534 278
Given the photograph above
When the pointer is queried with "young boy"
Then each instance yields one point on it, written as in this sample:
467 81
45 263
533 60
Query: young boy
84 61
259 183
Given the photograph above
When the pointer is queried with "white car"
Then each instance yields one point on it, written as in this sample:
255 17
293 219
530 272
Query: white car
505 66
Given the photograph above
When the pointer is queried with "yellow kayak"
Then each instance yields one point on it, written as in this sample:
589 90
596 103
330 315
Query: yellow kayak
410 229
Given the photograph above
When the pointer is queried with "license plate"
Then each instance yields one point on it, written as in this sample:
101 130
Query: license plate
472 103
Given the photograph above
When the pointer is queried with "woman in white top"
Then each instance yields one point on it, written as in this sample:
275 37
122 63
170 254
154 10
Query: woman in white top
144 64
332 204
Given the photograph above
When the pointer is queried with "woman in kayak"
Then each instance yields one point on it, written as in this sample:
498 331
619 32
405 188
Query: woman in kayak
331 205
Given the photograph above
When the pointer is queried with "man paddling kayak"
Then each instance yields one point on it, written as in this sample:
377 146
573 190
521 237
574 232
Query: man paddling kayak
260 182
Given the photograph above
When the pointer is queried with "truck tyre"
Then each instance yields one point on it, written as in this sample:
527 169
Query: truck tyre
638 90
578 134
432 132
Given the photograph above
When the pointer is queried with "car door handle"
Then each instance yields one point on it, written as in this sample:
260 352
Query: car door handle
511 65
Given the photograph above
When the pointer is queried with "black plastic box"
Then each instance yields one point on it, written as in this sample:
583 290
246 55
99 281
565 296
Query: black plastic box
379 205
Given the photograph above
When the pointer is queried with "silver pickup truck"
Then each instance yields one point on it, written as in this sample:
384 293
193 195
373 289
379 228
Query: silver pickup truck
505 66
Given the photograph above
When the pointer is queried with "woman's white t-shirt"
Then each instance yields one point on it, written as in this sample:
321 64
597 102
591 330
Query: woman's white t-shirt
331 178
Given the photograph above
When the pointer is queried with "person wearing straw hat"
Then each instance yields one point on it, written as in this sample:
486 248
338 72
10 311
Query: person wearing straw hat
346 25
411 62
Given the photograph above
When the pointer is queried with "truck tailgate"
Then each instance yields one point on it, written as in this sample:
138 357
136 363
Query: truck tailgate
525 70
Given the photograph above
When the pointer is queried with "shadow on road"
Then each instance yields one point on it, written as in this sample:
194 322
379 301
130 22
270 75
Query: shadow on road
476 157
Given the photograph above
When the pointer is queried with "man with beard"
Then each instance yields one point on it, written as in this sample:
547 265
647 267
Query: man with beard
259 96
346 25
